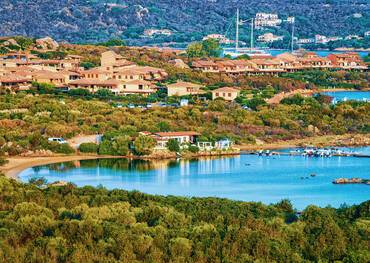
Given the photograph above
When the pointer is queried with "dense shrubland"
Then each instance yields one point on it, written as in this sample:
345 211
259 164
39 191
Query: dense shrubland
26 121
69 224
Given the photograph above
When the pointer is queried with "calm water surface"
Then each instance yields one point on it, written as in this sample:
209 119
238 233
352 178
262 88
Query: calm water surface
245 177
349 95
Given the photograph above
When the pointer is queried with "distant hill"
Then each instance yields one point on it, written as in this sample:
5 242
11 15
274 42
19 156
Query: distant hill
99 20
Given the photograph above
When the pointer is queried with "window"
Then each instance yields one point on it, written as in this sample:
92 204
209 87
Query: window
217 94
229 94
223 94
140 86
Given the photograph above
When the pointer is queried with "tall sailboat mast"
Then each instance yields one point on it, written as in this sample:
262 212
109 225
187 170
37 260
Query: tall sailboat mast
252 35
292 42
237 30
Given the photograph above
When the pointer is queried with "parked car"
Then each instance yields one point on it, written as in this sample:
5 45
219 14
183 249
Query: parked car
58 140
131 106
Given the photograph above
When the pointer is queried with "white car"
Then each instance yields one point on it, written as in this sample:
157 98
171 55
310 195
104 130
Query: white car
58 140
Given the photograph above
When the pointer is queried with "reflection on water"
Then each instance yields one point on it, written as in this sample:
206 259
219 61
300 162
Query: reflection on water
245 177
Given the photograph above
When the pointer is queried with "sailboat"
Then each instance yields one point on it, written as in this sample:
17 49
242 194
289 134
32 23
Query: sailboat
251 51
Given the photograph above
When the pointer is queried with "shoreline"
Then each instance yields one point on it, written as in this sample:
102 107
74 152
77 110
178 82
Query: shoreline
356 140
16 164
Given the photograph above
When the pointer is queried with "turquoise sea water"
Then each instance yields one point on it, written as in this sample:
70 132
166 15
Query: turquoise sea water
349 95
244 177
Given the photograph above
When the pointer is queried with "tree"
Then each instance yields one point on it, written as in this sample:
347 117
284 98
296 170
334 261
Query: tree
113 42
24 42
105 148
163 126
120 145
195 50
144 145
211 47
173 145
88 147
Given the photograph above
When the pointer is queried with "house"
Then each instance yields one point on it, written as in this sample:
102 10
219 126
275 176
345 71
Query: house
96 73
206 66
110 60
267 66
182 137
59 79
266 20
128 74
181 88
137 87
350 60
226 93
162 138
152 32
223 144
94 85
222 39
269 38
14 82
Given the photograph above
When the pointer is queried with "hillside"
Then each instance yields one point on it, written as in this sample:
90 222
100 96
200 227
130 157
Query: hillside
70 224
98 20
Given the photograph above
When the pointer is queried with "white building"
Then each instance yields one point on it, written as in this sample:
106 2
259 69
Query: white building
266 20
221 38
305 41
152 32
269 37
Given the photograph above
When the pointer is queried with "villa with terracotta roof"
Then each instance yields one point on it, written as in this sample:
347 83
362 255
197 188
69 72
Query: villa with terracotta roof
350 60
226 93
181 88
137 87
206 66
94 85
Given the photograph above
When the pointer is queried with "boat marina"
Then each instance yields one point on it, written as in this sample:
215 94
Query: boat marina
309 152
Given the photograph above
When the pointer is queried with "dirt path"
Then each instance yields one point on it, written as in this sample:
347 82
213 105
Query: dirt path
282 95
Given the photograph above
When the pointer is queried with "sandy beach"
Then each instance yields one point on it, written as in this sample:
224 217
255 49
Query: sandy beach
17 164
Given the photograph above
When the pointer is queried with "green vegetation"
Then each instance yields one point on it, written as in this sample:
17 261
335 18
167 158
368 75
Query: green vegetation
114 42
144 145
88 147
173 145
26 120
332 78
206 48
70 224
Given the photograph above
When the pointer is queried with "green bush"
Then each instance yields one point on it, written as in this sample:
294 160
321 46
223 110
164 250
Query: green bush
105 148
64 148
88 147
144 145
193 148
173 145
